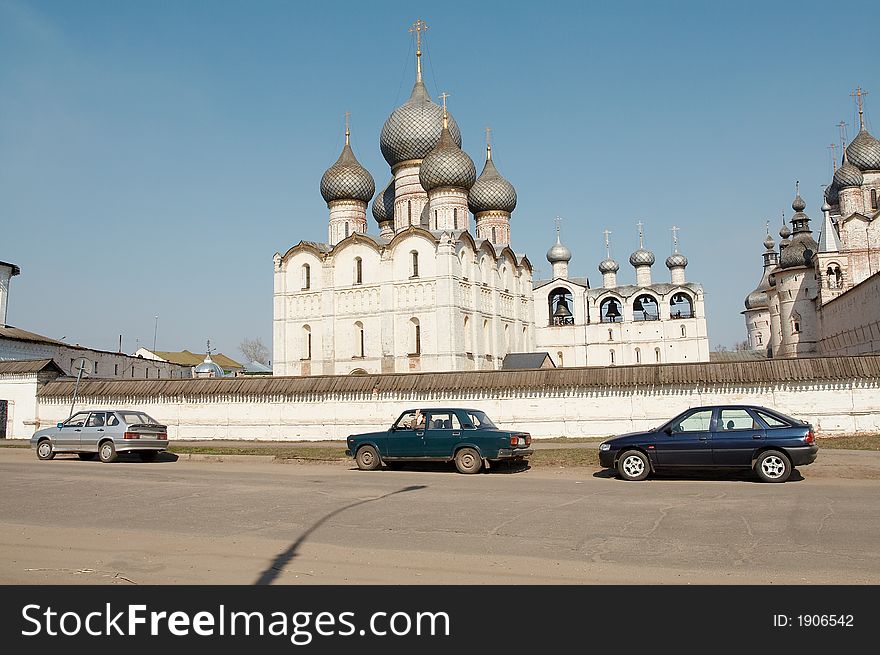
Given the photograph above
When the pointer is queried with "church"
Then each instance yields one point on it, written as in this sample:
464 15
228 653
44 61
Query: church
436 290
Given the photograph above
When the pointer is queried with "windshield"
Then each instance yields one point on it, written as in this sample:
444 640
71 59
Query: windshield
480 420
131 418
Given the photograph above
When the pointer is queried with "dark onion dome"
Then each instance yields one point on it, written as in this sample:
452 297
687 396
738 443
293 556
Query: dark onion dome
558 252
608 265
798 203
642 257
413 129
803 246
347 179
491 192
447 165
769 244
757 299
676 260
784 232
832 194
864 151
847 176
383 205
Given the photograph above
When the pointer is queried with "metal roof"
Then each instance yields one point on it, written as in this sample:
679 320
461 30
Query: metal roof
9 332
29 366
748 372
526 361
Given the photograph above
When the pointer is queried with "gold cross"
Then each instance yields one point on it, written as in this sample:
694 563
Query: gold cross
858 94
347 128
418 27
842 127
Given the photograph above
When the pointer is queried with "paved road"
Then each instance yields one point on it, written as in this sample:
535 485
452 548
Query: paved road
247 522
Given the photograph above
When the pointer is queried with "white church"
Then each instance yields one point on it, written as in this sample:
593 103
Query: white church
434 291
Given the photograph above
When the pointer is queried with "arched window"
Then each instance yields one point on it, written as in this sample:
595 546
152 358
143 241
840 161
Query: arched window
307 342
681 306
468 348
873 198
834 275
611 357
657 355
759 338
494 240
435 219
560 303
415 263
487 347
645 308
455 217
346 230
638 355
559 357
306 276
416 332
409 211
684 331
464 266
506 339
359 339
609 311
358 271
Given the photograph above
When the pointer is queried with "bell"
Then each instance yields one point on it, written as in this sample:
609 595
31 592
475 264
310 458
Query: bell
562 310
612 311
637 305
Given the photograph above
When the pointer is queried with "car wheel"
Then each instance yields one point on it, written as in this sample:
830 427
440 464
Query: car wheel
773 466
88 457
45 450
367 458
148 455
633 465
107 452
468 460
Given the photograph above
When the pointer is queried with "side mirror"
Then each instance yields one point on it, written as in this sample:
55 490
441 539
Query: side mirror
668 430
59 425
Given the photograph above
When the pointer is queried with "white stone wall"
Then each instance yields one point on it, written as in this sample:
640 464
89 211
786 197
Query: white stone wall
409 196
758 327
850 324
494 226
20 391
797 291
448 209
847 406
346 218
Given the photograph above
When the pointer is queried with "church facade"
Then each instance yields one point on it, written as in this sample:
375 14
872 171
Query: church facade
440 288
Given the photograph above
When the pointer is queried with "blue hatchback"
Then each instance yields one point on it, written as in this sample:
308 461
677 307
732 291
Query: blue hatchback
720 436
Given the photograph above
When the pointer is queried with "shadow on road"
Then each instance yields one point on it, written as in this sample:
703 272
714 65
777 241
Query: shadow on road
268 576
733 475
449 467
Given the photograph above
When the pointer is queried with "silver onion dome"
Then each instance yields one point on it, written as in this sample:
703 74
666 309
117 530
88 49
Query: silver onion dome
347 179
558 252
608 265
413 129
676 260
383 205
798 203
864 151
825 206
642 257
447 165
491 192
802 247
757 299
784 232
847 176
208 368
769 243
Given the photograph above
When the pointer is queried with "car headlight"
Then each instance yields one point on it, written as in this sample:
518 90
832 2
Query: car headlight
604 446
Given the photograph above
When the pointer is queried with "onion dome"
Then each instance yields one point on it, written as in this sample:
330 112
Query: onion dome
864 151
676 260
798 203
826 207
383 205
784 232
832 196
491 192
802 247
414 128
347 179
642 257
757 299
558 252
769 243
847 176
208 368
447 165
608 265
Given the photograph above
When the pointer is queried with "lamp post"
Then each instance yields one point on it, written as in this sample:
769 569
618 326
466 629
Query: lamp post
82 366
155 331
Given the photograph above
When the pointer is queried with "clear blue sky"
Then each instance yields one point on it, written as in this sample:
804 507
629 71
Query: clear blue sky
155 155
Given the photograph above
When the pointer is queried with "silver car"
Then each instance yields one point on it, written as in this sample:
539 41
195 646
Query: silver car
103 434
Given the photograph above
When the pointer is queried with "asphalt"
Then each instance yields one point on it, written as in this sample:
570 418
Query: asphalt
270 445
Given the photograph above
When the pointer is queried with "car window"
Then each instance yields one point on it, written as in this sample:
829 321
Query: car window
771 420
443 421
77 420
694 422
96 420
480 420
112 420
407 421
131 418
736 419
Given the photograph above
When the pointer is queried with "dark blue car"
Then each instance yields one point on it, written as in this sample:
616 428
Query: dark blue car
440 434
722 436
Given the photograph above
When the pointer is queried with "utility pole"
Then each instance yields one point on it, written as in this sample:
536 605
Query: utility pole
155 330
82 366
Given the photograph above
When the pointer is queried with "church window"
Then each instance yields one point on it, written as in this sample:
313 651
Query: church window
609 311
506 339
435 219
494 240
307 342
759 338
116 369
95 368
359 339
610 335
306 276
611 357
645 308
467 335
486 338
835 276
684 332
795 327
416 344
560 305
560 358
681 306
132 371
657 355
873 198
415 264
455 217
409 211
638 355
358 271
346 230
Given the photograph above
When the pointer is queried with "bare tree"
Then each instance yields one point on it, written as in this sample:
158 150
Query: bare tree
742 345
254 350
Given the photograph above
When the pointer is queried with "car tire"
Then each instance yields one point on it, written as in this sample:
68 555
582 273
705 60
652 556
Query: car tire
107 452
148 455
468 460
367 458
633 465
45 451
773 466
87 457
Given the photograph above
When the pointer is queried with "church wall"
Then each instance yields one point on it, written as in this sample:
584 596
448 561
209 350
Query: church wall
862 243
850 324
758 327
20 392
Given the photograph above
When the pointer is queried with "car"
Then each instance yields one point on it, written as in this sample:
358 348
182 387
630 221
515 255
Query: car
441 434
103 434
719 437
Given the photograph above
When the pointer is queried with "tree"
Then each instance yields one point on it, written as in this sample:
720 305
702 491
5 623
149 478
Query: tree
254 350
742 345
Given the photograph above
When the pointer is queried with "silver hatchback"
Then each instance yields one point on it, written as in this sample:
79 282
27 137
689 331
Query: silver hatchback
103 434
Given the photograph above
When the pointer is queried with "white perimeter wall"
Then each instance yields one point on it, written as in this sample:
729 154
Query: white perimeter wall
21 393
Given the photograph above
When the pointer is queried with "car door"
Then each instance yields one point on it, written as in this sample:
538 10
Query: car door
688 441
737 433
68 436
93 431
442 432
404 440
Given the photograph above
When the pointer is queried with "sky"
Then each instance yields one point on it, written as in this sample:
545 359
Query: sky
154 156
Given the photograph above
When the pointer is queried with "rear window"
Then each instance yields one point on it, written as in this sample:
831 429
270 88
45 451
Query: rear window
773 421
137 417
736 419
